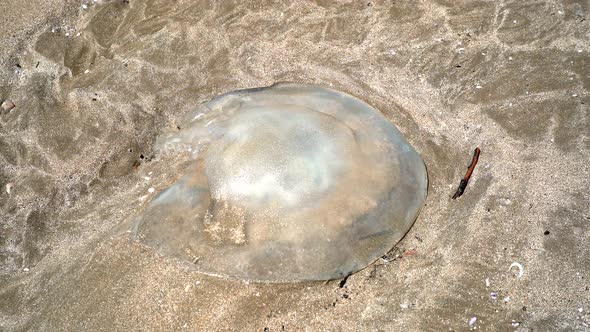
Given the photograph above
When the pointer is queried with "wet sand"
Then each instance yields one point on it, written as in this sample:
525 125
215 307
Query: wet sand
94 87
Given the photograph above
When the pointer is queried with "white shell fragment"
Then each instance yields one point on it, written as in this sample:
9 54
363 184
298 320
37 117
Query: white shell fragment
520 269
286 183
9 187
7 105
472 322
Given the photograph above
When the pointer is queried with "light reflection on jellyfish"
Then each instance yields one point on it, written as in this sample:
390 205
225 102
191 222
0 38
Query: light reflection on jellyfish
286 183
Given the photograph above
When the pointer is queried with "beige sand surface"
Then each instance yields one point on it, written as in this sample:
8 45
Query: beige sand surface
511 77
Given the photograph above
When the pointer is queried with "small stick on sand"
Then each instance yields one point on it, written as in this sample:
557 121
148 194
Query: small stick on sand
465 179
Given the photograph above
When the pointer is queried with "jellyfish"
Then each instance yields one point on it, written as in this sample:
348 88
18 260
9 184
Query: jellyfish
291 182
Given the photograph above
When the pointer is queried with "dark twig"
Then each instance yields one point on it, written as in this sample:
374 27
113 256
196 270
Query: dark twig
465 180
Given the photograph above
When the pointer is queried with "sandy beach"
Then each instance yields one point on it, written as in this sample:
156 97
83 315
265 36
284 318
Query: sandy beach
93 84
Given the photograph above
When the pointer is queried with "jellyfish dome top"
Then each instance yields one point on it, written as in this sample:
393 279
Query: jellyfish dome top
290 182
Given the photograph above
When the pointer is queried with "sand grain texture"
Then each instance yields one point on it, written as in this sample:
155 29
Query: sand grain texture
511 77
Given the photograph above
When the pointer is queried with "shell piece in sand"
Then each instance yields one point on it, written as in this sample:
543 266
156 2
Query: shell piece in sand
286 183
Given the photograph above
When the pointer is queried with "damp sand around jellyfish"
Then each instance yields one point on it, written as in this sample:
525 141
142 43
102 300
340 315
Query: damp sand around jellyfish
287 183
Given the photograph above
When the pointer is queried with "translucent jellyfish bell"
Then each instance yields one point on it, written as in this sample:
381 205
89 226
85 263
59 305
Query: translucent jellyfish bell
286 183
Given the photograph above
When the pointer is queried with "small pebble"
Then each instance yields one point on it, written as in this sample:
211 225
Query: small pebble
7 105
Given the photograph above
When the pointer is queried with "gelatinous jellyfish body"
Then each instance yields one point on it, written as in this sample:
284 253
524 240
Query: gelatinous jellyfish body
286 183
